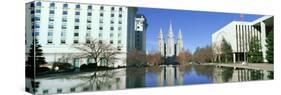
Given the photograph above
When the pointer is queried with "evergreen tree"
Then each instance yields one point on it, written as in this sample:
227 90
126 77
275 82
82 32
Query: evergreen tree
269 52
226 51
255 54
35 55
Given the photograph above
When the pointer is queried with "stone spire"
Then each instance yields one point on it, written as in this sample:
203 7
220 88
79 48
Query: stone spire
170 42
179 43
161 43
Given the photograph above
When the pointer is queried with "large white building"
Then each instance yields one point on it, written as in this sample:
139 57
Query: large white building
238 35
171 48
60 25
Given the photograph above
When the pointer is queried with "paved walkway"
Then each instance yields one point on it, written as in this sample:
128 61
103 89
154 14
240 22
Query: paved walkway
258 66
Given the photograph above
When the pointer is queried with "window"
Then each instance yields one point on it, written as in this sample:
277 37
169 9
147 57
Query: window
37 25
45 91
119 41
62 33
111 28
112 8
77 6
119 34
76 34
90 7
119 28
35 33
64 19
52 4
59 90
119 48
101 21
31 5
85 89
38 4
100 35
101 28
62 41
112 15
64 12
76 27
77 13
50 33
65 5
63 27
89 28
120 9
77 20
111 41
36 18
51 26
52 11
111 35
120 15
89 21
88 41
119 22
88 34
101 14
111 22
89 14
51 19
50 41
101 8
32 12
75 42
38 11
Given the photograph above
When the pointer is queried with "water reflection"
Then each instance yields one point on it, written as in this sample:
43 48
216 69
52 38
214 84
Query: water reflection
146 77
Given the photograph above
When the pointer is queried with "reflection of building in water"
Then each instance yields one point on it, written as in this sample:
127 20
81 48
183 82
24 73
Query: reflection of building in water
106 80
135 77
170 75
239 74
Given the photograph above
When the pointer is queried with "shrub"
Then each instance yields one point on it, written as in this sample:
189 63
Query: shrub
62 66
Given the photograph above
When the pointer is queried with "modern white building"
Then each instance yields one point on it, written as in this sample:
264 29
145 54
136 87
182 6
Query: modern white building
239 33
171 48
59 26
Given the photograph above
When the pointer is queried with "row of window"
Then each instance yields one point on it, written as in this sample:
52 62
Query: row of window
76 6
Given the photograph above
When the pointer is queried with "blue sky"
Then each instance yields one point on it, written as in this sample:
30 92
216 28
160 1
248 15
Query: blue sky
196 26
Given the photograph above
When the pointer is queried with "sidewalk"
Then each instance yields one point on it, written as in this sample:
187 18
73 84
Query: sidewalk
258 66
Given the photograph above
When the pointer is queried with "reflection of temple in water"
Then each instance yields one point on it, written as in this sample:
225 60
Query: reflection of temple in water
240 74
170 75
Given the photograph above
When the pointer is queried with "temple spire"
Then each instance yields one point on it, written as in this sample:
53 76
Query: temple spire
179 35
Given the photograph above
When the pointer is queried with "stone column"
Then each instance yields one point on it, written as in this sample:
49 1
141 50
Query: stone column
263 42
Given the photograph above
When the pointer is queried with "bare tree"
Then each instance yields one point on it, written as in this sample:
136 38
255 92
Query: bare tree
204 54
155 58
184 57
98 50
136 57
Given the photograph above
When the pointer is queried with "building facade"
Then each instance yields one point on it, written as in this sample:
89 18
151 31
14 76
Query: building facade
170 48
58 26
239 33
140 32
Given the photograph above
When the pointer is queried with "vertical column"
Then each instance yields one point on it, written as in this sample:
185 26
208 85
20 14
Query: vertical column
263 42
234 57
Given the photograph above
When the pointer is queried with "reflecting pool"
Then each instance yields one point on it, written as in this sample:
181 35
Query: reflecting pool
145 77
